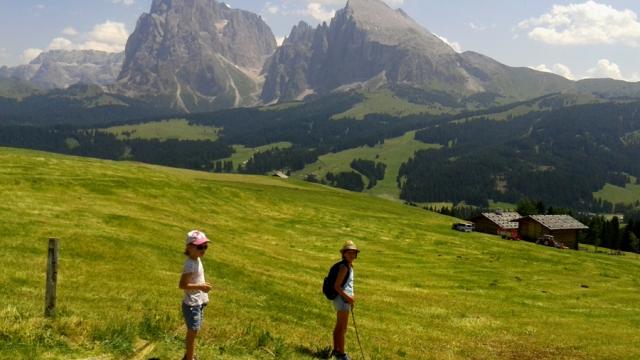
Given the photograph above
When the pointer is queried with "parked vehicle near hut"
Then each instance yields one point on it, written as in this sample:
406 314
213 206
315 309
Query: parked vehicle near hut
462 227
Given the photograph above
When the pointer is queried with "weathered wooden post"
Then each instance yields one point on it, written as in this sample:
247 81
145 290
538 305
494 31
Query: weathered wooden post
52 279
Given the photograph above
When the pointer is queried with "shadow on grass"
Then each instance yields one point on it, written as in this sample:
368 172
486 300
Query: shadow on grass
324 353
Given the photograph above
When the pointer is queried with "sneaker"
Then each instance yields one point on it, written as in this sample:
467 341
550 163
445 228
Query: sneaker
342 356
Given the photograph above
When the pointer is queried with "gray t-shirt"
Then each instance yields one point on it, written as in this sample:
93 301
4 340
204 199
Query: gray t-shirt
195 297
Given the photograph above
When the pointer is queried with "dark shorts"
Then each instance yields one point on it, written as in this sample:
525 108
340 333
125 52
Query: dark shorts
193 316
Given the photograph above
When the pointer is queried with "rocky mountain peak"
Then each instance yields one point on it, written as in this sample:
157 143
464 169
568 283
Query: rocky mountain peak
392 27
196 54
300 32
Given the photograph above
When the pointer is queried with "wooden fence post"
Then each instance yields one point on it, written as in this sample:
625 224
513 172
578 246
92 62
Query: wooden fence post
52 279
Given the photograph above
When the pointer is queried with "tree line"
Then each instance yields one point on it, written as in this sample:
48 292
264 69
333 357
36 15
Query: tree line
560 156
188 154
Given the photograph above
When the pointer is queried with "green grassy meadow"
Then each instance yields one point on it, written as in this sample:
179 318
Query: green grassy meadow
393 153
424 291
178 129
619 195
385 102
243 153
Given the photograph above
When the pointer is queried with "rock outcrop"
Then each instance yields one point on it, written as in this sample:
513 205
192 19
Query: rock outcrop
367 39
196 55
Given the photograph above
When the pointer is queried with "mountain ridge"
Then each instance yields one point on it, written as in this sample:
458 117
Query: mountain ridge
57 69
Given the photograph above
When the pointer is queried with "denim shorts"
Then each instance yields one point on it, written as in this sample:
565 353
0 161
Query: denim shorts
193 316
340 304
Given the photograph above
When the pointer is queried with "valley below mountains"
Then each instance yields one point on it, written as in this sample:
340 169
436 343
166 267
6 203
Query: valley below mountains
371 101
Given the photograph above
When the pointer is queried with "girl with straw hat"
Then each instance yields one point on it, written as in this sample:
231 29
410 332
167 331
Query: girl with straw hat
345 300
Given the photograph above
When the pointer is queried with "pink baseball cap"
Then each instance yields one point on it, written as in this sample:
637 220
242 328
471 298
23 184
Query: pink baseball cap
196 237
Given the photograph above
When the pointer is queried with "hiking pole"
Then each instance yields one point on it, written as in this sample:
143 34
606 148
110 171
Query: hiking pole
353 316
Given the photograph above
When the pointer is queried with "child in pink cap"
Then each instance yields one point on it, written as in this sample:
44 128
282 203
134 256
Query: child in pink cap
195 288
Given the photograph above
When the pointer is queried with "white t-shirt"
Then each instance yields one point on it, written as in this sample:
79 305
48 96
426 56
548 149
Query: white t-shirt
195 297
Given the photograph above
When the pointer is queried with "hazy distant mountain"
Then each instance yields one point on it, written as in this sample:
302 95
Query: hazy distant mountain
196 55
369 40
78 104
63 68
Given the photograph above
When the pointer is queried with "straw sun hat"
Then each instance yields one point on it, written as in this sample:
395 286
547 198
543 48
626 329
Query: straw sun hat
349 245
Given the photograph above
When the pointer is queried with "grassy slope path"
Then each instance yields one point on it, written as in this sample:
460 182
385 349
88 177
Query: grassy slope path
425 292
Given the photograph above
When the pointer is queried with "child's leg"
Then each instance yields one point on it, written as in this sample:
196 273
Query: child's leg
191 344
340 331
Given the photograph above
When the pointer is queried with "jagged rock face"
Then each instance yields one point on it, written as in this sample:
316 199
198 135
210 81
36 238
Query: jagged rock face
196 55
291 69
368 39
63 68
364 40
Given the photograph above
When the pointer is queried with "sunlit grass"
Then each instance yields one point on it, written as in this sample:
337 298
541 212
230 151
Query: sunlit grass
242 153
178 129
385 102
424 291
619 195
393 152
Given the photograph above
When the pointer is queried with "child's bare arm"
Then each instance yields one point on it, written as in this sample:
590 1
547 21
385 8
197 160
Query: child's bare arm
186 285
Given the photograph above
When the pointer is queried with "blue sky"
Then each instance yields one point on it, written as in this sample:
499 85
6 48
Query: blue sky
577 39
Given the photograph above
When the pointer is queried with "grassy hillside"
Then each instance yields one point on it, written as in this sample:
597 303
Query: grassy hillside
627 195
16 89
423 290
392 153
179 129
243 153
385 102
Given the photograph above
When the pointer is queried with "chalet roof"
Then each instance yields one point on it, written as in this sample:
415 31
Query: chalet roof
558 222
505 220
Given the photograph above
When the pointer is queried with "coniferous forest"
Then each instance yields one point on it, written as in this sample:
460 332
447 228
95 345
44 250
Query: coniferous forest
560 157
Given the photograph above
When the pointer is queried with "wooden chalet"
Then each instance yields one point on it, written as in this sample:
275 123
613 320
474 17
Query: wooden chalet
563 228
500 223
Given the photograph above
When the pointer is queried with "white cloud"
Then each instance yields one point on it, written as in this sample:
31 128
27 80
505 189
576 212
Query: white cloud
109 36
584 24
29 55
605 69
272 9
317 11
453 44
69 31
559 69
341 3
124 2
61 43
279 40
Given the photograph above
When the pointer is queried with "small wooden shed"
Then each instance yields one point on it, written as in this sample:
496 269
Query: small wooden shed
563 228
500 223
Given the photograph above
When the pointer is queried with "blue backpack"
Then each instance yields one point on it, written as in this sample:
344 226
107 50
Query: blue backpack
328 286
